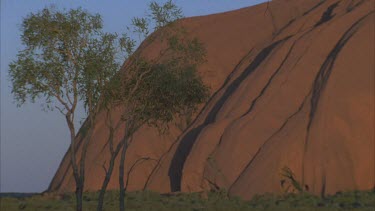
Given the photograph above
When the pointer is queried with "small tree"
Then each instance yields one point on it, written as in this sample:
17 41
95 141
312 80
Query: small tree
67 59
289 183
154 91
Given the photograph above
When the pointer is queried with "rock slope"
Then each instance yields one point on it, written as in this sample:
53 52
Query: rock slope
292 86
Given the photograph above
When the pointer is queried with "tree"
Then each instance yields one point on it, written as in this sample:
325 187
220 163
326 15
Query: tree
153 91
67 61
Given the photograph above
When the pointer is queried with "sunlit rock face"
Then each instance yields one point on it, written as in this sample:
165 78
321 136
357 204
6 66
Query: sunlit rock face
292 85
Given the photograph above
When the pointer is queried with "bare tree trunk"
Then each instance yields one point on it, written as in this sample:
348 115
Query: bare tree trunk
105 184
107 177
79 193
121 176
79 170
81 185
74 163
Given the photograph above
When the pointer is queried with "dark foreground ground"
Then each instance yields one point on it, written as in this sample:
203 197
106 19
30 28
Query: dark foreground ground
145 201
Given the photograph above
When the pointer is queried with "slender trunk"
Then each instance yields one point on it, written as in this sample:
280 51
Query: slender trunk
105 184
79 193
107 178
81 185
121 176
74 163
108 173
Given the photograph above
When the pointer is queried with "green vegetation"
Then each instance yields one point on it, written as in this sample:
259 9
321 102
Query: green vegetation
289 183
68 61
355 200
153 90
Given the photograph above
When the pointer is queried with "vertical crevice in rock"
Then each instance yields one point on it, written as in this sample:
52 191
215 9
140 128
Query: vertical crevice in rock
284 27
187 141
352 6
255 100
325 70
327 15
266 141
321 80
324 184
314 7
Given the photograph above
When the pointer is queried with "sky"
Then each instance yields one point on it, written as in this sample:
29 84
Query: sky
33 142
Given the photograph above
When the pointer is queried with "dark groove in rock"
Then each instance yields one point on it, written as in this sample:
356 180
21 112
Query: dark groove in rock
313 8
301 106
132 167
327 15
255 100
294 43
312 91
272 19
284 27
351 7
158 164
324 184
236 83
321 81
187 142
326 69
266 141
271 78
239 64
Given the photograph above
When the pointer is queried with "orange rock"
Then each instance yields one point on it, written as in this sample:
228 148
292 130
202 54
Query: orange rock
292 85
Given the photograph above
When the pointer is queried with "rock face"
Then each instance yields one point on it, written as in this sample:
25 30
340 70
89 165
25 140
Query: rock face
292 86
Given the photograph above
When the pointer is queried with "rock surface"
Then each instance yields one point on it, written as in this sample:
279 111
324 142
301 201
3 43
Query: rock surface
292 86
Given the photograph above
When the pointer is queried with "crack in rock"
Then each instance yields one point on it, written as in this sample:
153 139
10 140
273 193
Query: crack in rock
327 15
187 142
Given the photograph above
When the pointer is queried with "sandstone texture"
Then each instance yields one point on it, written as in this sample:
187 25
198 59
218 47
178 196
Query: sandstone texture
292 85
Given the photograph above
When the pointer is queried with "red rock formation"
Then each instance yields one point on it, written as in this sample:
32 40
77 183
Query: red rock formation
292 85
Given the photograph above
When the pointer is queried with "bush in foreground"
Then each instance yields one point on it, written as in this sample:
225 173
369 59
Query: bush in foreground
146 200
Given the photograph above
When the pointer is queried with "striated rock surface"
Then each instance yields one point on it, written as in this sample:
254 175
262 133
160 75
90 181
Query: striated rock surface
292 86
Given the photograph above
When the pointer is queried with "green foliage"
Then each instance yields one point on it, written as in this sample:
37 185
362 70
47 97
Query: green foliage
165 90
289 182
66 58
156 90
69 59
165 14
146 200
140 27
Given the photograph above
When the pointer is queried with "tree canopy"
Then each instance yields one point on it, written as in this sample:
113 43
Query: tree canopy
67 58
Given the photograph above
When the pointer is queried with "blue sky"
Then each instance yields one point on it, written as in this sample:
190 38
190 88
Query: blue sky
33 142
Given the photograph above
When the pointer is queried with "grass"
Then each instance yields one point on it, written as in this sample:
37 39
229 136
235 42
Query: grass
145 201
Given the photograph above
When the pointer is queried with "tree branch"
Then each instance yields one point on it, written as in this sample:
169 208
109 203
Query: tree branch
105 169
60 110
134 165
267 8
58 97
